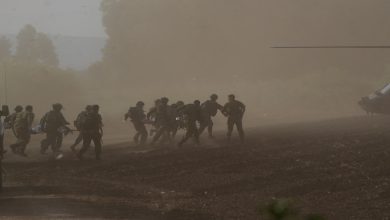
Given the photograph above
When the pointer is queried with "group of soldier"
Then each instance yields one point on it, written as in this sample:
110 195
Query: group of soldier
55 126
195 117
165 119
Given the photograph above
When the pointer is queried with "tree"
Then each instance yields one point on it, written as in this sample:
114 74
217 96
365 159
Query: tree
35 47
26 47
46 50
5 48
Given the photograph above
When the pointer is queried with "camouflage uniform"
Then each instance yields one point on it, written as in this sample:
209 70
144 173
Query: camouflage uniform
162 122
234 110
209 110
22 127
51 124
193 114
92 131
137 116
78 124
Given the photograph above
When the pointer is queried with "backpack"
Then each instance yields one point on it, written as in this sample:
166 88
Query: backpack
91 122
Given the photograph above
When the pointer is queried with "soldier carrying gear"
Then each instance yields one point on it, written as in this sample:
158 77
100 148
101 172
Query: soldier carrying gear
151 116
209 110
138 117
193 114
9 121
234 110
78 123
22 126
92 129
51 124
162 122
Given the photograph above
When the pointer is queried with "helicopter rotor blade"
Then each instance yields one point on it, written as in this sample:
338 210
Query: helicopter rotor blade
334 47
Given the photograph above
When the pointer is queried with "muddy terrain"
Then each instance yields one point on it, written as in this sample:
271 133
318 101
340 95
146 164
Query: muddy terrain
339 168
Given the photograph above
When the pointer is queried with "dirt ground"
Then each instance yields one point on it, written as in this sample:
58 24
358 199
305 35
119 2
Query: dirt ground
339 168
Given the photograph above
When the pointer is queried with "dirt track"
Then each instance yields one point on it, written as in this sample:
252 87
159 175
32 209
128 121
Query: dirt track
339 168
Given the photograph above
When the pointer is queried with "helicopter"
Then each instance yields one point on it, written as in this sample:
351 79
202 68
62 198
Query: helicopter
375 103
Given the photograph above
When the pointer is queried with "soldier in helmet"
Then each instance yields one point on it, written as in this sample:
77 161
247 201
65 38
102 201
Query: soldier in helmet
138 117
209 110
22 126
162 122
175 118
51 124
78 123
92 131
192 112
10 119
151 116
234 110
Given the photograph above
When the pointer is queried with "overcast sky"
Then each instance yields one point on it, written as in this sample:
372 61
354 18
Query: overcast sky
56 17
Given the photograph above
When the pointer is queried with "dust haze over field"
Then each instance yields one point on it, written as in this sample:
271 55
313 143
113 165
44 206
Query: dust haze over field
186 50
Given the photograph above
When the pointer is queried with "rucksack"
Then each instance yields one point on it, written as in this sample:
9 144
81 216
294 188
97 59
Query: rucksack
91 122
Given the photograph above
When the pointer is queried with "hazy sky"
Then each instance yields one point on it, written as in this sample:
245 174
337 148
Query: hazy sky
56 17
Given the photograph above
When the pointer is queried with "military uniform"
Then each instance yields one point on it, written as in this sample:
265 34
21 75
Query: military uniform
209 110
162 124
137 116
235 110
192 112
51 124
92 131
22 127
78 124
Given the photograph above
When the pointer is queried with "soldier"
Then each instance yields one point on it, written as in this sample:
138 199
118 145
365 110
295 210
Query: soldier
193 114
92 131
162 122
22 126
209 110
151 116
175 118
51 124
234 110
78 125
138 117
10 119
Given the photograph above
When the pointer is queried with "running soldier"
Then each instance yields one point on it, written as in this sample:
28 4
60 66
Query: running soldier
78 125
151 116
175 118
209 109
162 122
22 126
9 121
192 112
138 117
92 131
51 124
234 110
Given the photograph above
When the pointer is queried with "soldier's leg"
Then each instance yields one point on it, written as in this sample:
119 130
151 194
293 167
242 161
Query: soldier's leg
57 142
97 141
44 145
87 138
230 128
240 129
196 134
188 135
137 134
158 134
143 133
77 141
210 128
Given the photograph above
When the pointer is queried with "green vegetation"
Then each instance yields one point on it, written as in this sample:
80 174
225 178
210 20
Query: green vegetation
284 209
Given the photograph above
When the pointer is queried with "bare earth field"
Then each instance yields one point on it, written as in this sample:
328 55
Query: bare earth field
339 168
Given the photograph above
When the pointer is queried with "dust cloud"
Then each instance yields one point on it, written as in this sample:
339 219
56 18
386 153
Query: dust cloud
187 50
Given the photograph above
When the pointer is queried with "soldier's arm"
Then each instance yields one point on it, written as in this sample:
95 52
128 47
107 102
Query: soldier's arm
243 107
225 109
64 121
